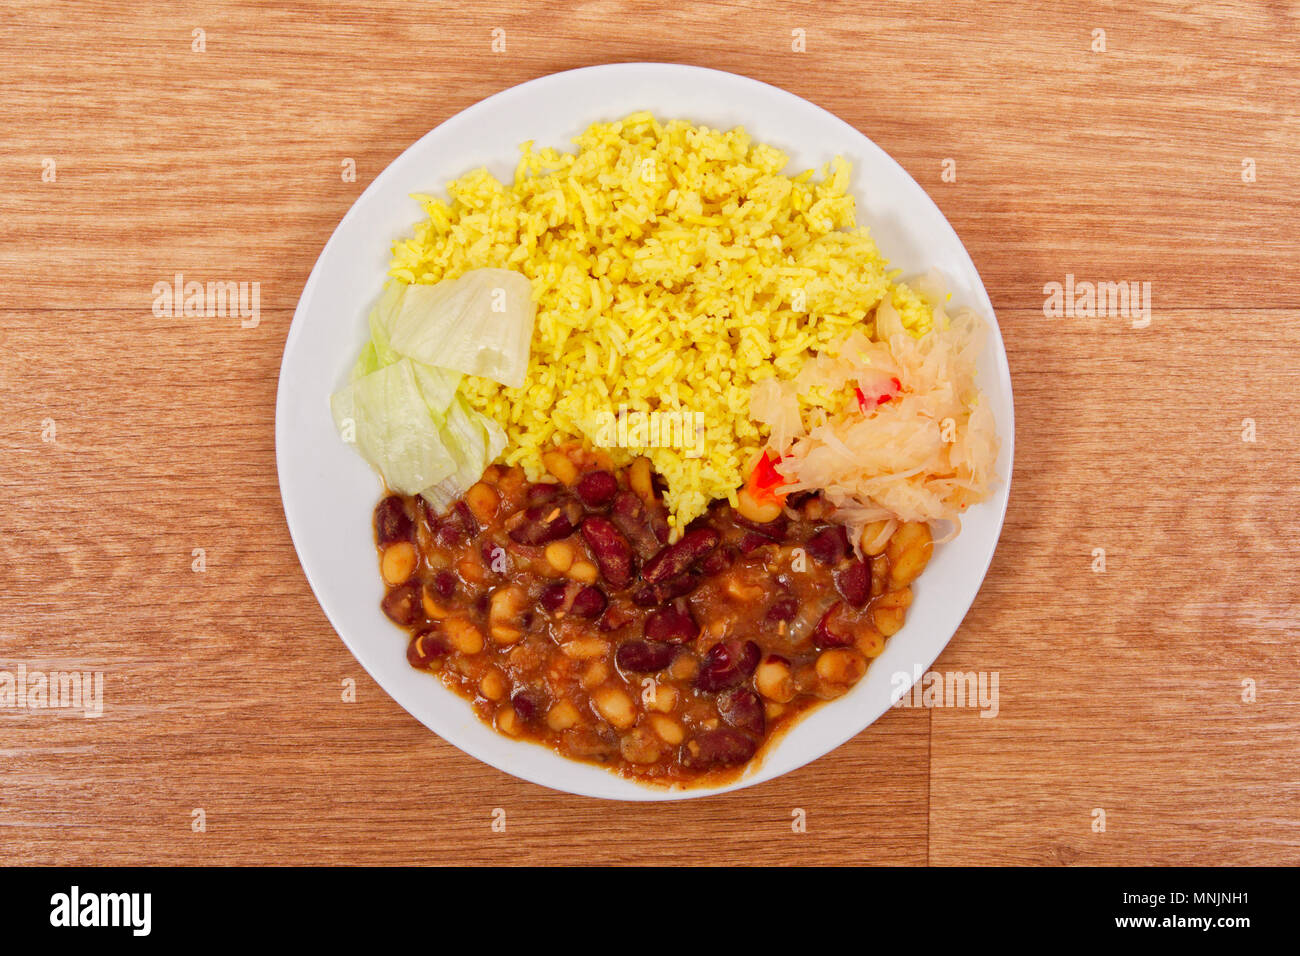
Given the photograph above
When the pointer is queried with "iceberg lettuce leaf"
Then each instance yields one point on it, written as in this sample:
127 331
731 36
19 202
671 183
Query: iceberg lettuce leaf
480 323
386 415
476 440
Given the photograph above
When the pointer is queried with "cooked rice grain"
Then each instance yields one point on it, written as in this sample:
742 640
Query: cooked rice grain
673 266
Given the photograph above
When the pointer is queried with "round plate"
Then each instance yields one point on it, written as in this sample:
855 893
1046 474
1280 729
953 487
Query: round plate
329 492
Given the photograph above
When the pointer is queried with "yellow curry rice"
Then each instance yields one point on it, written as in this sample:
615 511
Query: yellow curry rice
673 267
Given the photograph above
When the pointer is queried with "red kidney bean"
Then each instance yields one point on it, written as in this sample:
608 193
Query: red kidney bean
718 561
392 523
596 488
752 541
831 630
541 493
657 516
402 604
464 518
447 534
727 664
717 748
742 708
545 523
444 584
644 657
783 608
425 648
610 549
629 515
492 552
589 602
776 529
676 558
829 545
526 703
796 499
854 583
672 624
455 526
553 598
652 595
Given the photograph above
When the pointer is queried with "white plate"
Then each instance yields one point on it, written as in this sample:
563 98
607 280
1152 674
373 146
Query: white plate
329 492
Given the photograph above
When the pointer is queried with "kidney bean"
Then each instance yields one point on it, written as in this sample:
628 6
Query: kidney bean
727 664
752 541
455 526
544 523
776 529
552 599
402 604
464 518
444 584
672 624
717 748
526 703
589 602
541 493
829 545
652 595
425 648
446 533
783 608
657 516
743 709
392 523
610 549
492 553
676 558
596 488
718 561
854 583
796 499
831 630
629 515
644 657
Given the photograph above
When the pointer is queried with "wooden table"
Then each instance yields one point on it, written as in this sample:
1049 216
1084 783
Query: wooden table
132 441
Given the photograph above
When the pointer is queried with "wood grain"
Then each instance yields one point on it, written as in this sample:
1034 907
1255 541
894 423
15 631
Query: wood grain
1120 690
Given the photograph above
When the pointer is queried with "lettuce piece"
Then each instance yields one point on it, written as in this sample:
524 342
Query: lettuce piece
377 353
402 408
388 416
367 362
475 440
480 324
437 385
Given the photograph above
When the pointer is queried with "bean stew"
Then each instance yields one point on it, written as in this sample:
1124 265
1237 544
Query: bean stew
567 616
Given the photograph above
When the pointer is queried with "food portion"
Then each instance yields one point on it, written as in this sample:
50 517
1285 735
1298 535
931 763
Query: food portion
674 268
651 411
564 612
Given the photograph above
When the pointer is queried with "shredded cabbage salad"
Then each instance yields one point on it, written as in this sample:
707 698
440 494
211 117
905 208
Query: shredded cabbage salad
890 428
